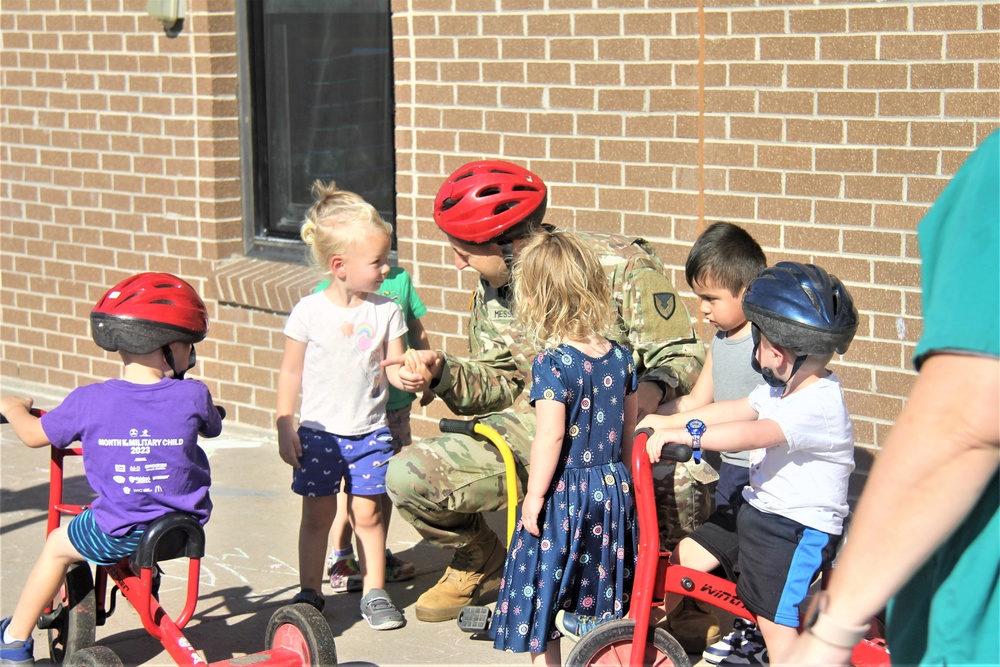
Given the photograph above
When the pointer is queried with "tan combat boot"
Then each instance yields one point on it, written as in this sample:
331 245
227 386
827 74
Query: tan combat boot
694 625
475 570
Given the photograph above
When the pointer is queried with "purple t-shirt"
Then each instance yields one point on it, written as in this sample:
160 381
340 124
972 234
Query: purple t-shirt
140 448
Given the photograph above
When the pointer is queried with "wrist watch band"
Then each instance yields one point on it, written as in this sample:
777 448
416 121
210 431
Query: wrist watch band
696 428
829 631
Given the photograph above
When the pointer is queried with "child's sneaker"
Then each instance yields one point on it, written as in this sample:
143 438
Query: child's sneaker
574 626
715 653
15 653
752 651
396 569
311 597
345 576
378 610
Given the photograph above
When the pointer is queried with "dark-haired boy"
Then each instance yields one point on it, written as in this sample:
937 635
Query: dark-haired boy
722 262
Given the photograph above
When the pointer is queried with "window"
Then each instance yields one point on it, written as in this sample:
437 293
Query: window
316 101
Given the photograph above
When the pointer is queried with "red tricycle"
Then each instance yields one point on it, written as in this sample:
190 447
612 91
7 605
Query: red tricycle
297 634
634 640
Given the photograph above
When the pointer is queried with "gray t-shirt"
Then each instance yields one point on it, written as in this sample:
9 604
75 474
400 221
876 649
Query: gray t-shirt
733 377
343 384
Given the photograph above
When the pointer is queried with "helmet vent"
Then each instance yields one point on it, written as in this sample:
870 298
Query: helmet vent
465 175
449 202
506 206
813 299
500 171
524 188
164 302
489 191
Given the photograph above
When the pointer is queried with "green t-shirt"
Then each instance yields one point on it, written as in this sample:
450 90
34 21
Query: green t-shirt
949 611
399 287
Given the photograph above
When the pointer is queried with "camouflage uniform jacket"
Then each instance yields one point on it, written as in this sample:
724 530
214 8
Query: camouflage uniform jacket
652 321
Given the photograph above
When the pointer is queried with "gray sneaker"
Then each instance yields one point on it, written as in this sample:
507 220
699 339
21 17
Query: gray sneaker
752 651
378 610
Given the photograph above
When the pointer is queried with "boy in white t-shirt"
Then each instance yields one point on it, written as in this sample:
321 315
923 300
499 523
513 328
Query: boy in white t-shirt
801 442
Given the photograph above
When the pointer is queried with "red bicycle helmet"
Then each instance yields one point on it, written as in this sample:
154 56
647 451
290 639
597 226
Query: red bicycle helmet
483 200
146 312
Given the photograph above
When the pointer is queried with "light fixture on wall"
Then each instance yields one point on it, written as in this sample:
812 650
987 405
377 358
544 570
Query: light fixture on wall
168 12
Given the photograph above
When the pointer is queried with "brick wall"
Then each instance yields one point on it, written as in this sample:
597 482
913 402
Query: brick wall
825 128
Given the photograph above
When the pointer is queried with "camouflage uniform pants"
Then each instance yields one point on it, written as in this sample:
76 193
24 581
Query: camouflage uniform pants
442 485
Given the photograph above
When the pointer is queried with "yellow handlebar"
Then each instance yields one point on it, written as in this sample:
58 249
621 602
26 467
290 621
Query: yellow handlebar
474 426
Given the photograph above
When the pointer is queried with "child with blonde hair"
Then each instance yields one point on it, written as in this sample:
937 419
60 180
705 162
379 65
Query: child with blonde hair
335 342
574 547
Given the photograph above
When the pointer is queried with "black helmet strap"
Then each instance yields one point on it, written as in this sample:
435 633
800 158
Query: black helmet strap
169 356
769 377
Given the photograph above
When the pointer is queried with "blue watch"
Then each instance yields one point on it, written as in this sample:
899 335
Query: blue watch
696 428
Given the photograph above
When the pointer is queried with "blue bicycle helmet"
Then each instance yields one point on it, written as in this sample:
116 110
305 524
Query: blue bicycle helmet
803 308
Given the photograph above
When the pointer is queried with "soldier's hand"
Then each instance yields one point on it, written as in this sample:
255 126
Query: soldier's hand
650 395
431 359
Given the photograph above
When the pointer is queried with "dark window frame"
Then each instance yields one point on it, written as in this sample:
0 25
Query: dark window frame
264 236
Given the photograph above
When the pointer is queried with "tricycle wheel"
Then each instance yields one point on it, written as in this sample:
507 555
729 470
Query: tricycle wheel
303 630
73 618
611 644
94 656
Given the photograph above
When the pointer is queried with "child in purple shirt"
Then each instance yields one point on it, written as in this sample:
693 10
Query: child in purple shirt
139 438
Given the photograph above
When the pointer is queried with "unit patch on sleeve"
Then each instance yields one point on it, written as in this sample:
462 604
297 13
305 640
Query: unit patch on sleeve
665 304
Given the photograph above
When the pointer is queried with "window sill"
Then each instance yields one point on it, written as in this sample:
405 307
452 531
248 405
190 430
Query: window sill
262 285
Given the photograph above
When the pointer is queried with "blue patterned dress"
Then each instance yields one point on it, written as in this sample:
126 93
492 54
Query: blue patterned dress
584 560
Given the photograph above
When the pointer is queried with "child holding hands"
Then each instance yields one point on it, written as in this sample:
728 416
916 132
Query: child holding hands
335 342
153 320
801 443
574 547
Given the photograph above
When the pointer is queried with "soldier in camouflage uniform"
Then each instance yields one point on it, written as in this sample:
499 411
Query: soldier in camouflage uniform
443 485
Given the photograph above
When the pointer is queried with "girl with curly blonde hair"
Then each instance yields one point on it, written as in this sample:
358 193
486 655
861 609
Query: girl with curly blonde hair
574 547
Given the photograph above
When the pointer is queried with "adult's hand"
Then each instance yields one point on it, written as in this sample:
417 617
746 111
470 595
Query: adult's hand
650 395
431 359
